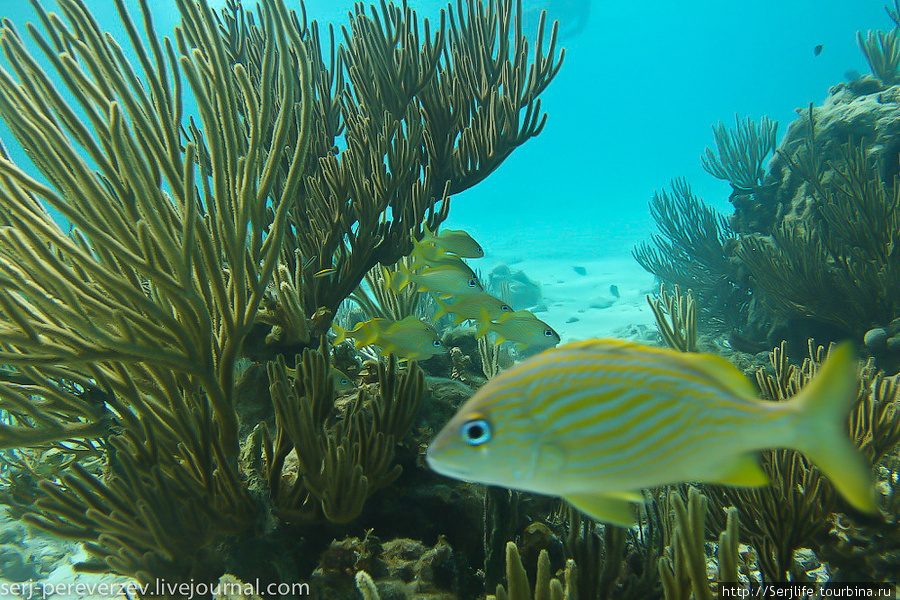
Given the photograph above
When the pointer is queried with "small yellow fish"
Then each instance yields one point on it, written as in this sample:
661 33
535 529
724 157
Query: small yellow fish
342 382
410 338
446 279
474 307
427 255
454 241
521 327
424 254
596 421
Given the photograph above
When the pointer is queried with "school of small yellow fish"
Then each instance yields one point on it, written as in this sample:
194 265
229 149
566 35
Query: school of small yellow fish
597 421
436 266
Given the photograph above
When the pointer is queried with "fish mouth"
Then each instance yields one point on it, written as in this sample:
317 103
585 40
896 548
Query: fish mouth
439 466
445 469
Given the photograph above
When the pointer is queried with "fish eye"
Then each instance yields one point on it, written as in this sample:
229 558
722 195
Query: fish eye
345 381
473 282
436 343
505 308
549 333
476 432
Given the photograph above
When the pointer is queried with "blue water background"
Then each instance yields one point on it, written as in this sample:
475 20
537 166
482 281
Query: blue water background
632 107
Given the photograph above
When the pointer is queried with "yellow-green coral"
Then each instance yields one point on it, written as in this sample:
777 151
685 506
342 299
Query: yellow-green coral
122 335
342 458
546 586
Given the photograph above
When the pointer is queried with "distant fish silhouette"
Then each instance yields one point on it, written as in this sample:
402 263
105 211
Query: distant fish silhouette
818 50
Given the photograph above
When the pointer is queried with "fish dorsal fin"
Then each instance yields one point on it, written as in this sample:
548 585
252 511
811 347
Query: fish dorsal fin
742 470
609 508
715 368
406 321
719 370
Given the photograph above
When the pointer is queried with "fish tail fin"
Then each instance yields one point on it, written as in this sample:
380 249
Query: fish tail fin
396 280
341 334
483 325
429 234
443 308
823 406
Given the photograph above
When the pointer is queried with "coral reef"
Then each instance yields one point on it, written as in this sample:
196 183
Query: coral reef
196 240
838 265
799 505
741 153
695 252
421 116
676 317
683 567
810 249
545 586
339 459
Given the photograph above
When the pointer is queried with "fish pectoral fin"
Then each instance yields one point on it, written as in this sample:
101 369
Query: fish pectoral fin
742 470
614 508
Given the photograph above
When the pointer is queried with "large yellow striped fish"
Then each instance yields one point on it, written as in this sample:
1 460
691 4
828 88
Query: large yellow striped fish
597 421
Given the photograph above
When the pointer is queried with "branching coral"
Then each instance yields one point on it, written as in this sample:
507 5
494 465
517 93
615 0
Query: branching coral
683 567
676 318
342 458
693 248
693 252
545 588
133 294
882 51
123 334
742 153
128 329
841 266
600 552
402 118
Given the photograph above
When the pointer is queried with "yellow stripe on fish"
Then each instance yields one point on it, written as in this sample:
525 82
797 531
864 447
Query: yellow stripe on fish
521 327
596 421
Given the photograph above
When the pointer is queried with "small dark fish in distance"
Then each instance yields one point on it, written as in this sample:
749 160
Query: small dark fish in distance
818 50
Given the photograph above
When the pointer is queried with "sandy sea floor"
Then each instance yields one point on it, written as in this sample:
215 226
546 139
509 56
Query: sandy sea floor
579 276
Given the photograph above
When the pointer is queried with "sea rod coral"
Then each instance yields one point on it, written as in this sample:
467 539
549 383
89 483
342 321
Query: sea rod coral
121 336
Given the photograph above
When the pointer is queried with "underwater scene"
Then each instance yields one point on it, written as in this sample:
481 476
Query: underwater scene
467 300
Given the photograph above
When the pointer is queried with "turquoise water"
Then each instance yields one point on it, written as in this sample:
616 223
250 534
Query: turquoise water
634 103
631 109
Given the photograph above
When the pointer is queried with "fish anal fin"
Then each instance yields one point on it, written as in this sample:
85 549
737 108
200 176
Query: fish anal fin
742 470
636 497
613 508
